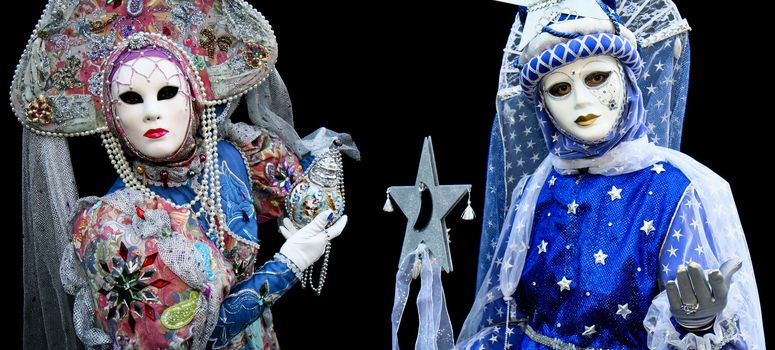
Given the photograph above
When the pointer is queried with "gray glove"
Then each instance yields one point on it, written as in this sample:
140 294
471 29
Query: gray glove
695 304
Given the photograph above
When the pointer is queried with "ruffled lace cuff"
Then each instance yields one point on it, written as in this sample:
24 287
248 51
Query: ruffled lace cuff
291 265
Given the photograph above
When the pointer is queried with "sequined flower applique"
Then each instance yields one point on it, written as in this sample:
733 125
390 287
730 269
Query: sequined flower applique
126 286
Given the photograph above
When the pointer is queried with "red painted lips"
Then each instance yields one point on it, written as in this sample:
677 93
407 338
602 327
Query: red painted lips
155 133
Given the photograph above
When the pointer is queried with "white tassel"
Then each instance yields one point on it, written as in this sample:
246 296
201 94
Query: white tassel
468 214
388 207
677 48
417 266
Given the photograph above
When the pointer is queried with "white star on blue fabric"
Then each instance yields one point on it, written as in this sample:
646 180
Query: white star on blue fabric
658 168
660 65
572 207
648 226
542 246
589 331
564 284
623 310
677 235
615 193
651 88
672 250
666 269
600 257
552 181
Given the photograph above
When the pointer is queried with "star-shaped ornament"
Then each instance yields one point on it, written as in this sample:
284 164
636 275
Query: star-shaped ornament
658 168
425 205
623 310
542 246
552 181
572 207
600 257
615 193
564 284
589 331
648 227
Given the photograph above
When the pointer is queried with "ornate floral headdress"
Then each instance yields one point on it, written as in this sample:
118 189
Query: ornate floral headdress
57 84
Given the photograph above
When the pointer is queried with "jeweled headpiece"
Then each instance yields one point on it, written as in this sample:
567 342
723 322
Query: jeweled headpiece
56 89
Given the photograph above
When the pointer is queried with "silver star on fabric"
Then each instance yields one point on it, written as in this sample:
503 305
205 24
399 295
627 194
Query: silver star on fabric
572 207
552 181
600 257
623 310
658 168
589 331
542 246
442 199
615 193
648 227
564 284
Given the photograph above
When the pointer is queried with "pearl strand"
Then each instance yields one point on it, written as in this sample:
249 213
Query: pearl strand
120 163
211 179
307 278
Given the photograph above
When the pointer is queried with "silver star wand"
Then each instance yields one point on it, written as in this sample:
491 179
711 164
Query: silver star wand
426 249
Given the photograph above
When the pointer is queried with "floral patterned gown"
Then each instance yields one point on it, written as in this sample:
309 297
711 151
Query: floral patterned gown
156 280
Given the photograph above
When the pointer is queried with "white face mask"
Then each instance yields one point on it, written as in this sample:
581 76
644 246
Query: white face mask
152 105
586 98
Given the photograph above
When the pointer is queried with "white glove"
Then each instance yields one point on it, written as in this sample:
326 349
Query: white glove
697 304
306 245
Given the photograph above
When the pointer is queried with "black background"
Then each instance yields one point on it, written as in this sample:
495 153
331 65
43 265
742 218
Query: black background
391 73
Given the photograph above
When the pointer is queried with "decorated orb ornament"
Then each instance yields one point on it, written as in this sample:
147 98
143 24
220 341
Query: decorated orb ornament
319 189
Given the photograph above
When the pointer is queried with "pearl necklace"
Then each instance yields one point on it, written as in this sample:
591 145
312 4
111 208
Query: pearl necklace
207 192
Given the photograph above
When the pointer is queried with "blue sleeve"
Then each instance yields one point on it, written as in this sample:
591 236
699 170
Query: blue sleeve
248 299
689 239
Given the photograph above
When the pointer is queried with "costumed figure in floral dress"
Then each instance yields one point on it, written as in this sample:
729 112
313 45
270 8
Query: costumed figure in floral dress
167 258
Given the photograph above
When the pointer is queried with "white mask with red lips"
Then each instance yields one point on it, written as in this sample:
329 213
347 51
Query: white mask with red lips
586 98
152 104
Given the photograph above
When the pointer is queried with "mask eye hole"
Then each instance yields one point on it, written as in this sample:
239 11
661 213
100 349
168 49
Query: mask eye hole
131 97
167 93
596 79
559 89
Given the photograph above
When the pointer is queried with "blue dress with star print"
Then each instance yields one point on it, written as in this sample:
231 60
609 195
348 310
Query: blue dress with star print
600 248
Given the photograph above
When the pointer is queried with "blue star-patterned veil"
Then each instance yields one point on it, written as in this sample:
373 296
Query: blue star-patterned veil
519 162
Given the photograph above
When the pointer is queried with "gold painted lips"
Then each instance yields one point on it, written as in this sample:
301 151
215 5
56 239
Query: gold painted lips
586 120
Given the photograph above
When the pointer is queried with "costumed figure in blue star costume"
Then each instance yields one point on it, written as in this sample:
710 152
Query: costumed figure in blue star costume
612 241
